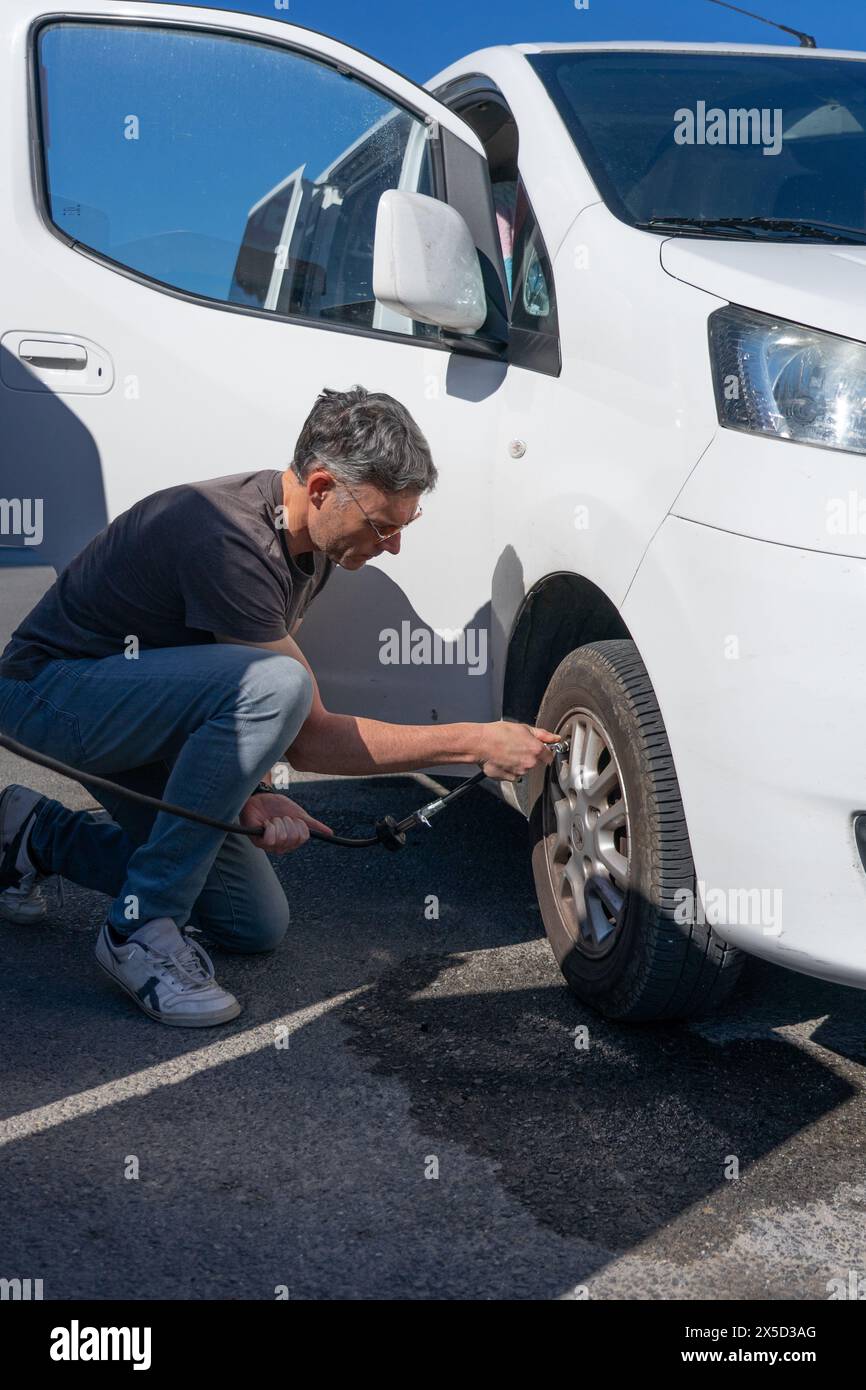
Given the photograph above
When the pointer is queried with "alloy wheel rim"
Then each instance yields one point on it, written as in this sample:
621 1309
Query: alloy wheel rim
588 835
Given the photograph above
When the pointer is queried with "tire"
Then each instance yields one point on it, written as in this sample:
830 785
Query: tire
612 921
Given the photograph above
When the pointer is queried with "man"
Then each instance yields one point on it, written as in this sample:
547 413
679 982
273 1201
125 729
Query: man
163 657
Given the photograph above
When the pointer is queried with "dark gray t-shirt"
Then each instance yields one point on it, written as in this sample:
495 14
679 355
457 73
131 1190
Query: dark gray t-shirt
179 566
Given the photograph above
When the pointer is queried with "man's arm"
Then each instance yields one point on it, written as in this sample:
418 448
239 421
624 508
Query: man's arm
349 745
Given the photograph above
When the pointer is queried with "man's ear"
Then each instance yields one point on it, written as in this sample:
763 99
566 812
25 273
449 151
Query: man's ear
320 483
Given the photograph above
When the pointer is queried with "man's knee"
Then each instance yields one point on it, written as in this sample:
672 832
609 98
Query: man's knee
258 934
243 905
266 935
277 680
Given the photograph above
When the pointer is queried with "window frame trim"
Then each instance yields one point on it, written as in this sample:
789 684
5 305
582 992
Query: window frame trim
39 173
535 352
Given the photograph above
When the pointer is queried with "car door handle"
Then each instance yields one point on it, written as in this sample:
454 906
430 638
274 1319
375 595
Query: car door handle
67 357
59 363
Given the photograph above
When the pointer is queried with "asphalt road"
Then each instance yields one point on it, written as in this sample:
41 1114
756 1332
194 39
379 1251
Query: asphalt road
417 1045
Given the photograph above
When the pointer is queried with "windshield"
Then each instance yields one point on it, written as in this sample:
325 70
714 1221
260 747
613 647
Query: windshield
701 136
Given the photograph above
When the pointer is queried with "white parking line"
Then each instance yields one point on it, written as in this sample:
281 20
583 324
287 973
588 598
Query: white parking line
170 1073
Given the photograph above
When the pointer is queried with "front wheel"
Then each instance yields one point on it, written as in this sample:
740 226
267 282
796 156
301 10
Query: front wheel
610 849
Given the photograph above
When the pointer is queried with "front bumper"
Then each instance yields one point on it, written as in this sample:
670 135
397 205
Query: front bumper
757 653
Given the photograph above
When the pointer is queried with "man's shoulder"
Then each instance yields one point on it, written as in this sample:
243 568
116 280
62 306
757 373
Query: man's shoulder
249 486
236 482
226 502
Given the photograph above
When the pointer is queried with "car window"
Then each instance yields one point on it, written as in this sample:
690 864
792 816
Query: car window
228 168
533 299
680 135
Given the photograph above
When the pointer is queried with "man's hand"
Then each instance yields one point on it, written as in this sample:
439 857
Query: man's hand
509 751
287 825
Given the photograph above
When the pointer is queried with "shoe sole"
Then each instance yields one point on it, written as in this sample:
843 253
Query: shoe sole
225 1017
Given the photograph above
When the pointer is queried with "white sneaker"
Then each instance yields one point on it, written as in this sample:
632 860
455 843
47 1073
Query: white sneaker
23 906
168 975
21 897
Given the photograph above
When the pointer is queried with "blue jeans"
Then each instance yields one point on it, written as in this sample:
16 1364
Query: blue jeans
198 726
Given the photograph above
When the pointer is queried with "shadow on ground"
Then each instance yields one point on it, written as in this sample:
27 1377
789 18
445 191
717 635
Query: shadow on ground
450 1037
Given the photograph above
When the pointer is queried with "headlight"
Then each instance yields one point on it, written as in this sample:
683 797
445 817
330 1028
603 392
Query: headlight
778 378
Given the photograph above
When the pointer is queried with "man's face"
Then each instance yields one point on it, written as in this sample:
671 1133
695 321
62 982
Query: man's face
342 524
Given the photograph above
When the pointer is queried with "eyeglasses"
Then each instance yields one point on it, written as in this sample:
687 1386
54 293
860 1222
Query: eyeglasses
391 531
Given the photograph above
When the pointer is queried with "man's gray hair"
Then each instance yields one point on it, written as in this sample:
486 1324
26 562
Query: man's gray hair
365 437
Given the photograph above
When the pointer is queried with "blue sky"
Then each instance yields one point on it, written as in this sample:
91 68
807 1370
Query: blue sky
420 38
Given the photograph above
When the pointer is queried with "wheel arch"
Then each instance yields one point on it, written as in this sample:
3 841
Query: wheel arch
561 612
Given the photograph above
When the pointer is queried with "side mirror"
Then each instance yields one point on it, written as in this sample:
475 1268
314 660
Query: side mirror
425 264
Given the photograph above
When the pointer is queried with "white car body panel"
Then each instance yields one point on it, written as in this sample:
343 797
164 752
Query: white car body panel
768 731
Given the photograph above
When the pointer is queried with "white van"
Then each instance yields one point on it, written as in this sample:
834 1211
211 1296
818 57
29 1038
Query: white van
607 280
